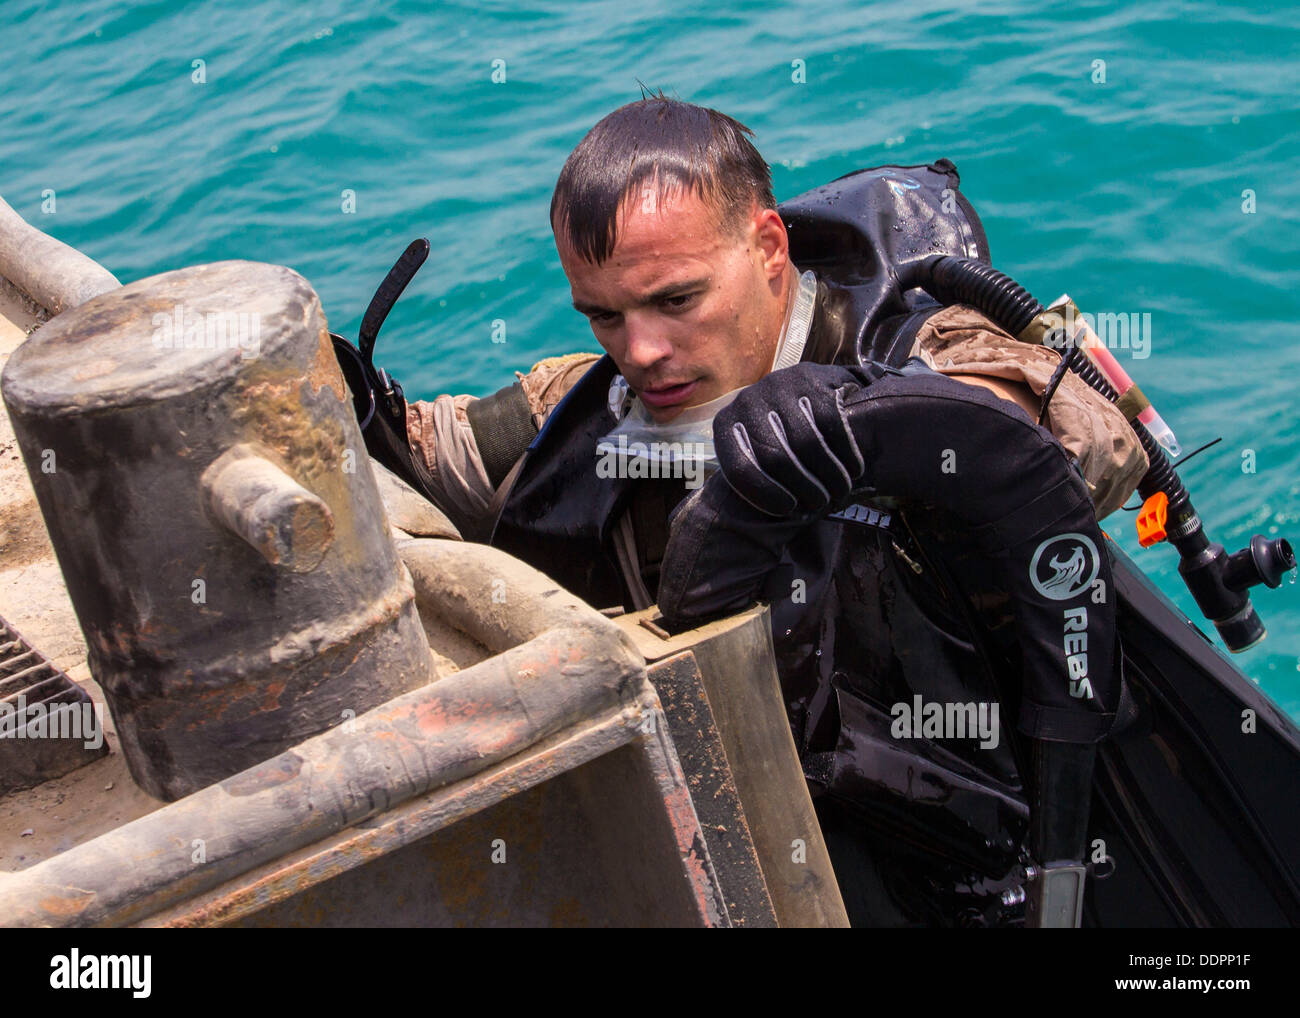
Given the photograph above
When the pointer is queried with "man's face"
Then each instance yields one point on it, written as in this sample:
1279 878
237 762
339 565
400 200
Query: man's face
687 310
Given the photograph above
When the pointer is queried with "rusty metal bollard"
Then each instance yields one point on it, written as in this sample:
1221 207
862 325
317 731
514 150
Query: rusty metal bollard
206 488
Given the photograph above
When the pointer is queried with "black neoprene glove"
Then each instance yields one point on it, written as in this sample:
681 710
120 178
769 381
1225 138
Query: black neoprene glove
786 444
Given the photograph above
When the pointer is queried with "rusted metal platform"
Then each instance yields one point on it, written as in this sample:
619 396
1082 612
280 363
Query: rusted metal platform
547 766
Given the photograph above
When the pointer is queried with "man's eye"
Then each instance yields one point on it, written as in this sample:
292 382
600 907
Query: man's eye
679 303
602 318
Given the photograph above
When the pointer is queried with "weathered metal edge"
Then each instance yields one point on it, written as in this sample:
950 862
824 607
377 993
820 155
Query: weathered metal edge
45 270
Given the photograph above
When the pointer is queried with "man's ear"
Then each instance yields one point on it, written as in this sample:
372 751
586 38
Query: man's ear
772 241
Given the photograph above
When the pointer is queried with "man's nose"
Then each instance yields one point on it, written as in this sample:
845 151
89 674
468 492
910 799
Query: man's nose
646 344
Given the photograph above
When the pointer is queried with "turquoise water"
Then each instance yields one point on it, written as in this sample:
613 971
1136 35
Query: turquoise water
1127 192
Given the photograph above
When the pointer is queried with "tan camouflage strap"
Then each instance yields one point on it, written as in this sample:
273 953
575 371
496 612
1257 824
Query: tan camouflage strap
1132 403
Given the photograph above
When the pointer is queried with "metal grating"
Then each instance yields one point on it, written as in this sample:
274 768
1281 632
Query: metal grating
48 725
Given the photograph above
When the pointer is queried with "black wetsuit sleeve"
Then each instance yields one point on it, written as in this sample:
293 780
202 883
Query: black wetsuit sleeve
976 459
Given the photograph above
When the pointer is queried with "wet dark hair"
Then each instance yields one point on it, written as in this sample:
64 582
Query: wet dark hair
667 144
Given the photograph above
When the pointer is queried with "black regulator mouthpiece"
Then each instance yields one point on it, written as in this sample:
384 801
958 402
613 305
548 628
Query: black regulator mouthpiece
1264 561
